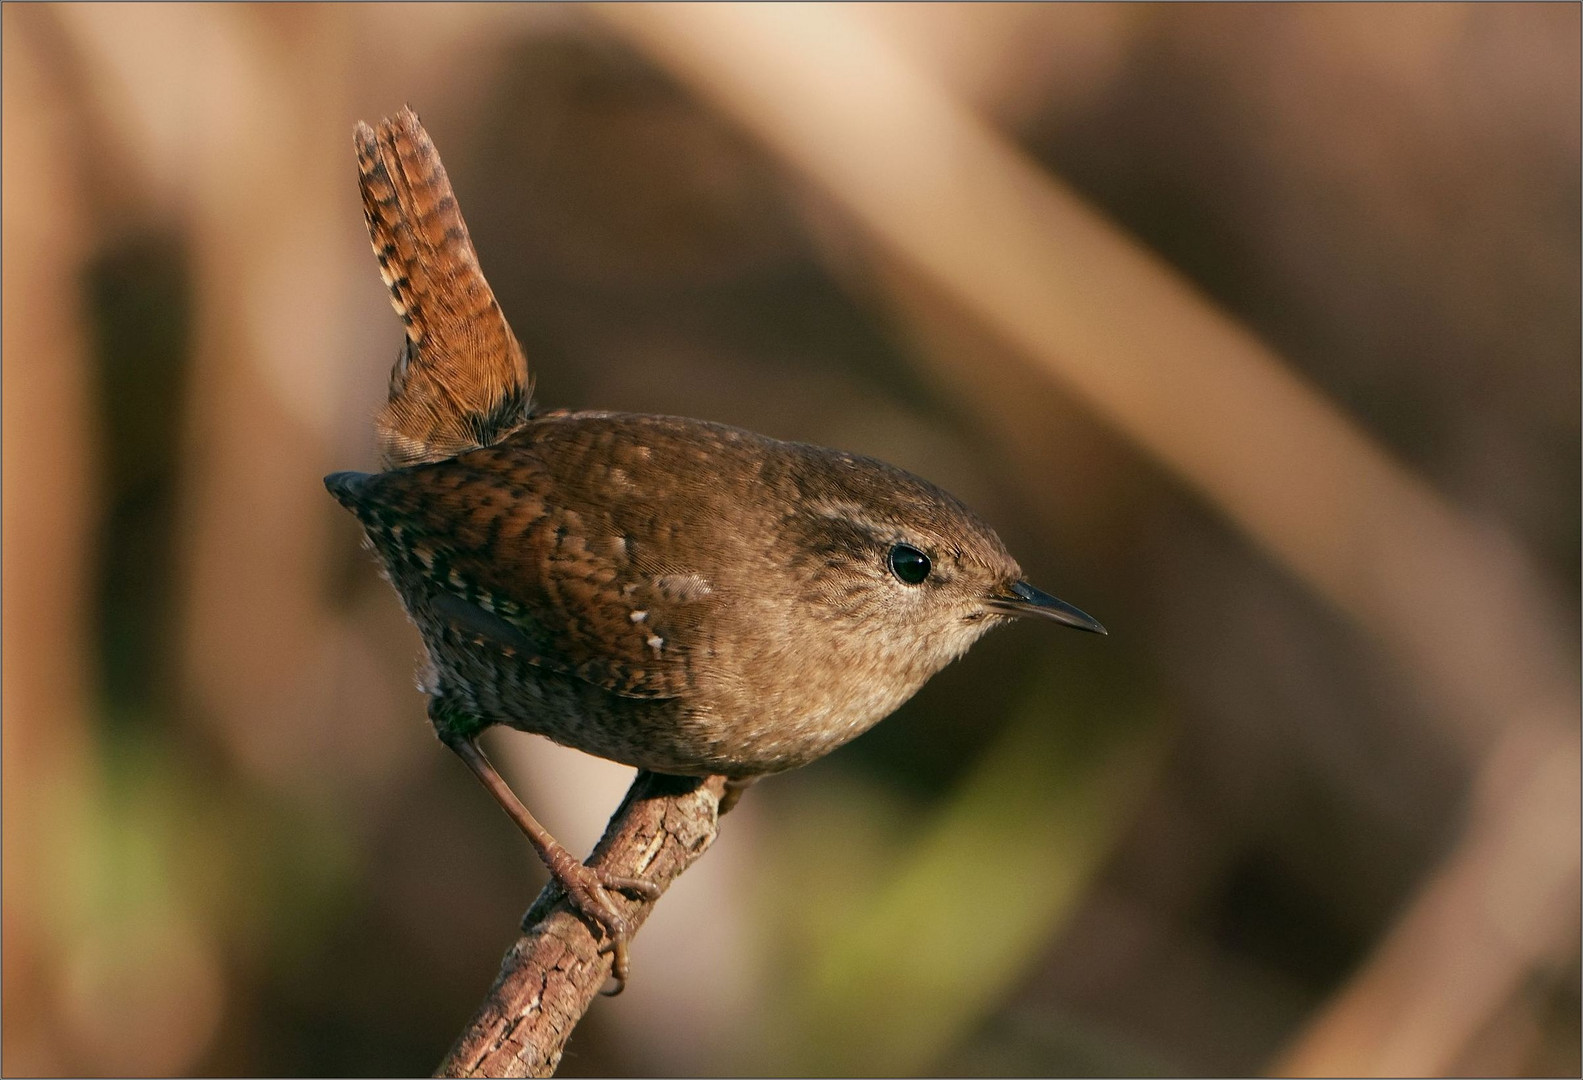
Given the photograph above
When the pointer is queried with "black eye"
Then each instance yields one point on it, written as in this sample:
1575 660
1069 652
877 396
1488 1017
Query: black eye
909 564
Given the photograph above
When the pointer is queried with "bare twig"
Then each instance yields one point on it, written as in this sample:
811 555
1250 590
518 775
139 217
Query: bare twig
551 975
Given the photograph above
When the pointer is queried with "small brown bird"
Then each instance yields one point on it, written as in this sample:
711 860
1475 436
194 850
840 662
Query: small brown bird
676 595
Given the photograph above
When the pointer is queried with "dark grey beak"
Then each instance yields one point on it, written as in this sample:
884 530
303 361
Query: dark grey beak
1026 600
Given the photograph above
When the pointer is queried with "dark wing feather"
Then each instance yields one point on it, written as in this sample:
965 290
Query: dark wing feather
564 587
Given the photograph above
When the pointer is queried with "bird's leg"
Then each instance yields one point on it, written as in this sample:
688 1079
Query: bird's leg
586 886
735 786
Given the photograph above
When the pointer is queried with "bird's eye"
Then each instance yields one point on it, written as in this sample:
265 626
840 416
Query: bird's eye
909 564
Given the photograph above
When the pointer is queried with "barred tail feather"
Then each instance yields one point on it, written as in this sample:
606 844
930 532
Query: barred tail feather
461 380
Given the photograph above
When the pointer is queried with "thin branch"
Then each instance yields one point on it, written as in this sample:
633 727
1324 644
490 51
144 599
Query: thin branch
551 975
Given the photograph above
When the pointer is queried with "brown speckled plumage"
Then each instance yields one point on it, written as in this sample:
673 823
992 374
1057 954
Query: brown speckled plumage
677 595
724 607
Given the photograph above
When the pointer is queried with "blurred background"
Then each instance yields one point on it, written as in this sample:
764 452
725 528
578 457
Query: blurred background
1253 329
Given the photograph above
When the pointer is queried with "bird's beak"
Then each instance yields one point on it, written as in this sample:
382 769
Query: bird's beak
1024 599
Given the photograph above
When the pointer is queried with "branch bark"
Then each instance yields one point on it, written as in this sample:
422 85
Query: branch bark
551 975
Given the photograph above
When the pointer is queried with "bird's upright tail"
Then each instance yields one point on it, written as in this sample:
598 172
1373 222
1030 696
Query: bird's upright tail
461 380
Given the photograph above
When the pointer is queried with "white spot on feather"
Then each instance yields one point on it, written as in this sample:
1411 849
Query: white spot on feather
683 588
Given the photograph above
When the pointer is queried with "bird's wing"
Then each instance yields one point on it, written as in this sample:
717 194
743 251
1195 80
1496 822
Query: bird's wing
571 589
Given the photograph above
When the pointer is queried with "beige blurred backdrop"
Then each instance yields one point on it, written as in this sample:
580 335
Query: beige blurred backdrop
1254 329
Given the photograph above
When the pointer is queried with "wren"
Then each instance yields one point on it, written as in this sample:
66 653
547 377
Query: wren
675 595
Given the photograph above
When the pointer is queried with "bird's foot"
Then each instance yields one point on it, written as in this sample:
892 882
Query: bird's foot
589 890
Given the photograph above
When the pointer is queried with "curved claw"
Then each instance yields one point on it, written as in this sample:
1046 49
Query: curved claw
590 895
620 965
643 890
